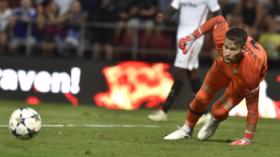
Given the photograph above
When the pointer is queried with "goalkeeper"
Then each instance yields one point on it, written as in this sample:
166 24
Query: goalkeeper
240 67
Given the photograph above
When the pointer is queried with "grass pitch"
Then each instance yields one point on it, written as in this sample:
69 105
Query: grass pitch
90 131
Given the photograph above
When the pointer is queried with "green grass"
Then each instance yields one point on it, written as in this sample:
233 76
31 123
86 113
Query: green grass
128 142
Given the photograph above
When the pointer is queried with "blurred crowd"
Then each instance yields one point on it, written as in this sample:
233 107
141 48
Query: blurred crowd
98 29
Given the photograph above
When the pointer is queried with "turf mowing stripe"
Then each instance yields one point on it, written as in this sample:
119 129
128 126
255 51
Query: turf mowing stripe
96 126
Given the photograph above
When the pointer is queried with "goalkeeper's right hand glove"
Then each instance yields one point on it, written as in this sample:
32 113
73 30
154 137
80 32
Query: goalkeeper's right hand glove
185 43
241 142
246 140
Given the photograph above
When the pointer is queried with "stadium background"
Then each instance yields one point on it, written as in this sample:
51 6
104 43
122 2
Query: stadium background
96 34
81 53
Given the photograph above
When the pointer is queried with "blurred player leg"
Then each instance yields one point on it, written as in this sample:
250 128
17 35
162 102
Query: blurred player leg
185 64
194 79
161 115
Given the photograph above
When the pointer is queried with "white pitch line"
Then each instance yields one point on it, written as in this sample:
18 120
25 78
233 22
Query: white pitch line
95 126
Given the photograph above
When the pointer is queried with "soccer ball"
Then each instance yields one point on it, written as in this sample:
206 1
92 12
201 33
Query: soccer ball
24 123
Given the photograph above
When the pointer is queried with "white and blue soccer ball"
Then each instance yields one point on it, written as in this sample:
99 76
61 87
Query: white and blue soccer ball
25 123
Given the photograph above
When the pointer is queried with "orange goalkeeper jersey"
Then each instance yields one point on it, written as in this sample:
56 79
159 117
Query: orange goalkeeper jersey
253 66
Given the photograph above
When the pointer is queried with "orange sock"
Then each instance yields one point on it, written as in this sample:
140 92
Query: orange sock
197 107
192 119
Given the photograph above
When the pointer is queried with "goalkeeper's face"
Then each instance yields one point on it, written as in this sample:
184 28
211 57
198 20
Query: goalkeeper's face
232 51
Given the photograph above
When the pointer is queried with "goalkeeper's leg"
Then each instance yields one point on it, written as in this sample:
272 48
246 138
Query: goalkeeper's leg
219 112
214 80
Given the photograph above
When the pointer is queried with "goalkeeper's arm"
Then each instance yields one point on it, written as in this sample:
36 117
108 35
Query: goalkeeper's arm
209 26
253 113
252 119
217 25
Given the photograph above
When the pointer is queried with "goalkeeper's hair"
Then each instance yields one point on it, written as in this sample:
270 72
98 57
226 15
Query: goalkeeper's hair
237 35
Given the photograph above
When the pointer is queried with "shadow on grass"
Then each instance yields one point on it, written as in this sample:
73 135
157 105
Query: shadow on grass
219 140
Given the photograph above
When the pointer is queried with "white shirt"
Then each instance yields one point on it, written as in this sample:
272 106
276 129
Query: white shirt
63 5
4 18
193 13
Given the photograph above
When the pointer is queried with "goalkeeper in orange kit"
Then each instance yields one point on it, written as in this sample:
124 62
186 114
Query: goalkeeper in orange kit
239 68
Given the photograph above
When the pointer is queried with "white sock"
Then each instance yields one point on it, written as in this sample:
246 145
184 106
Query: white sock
187 128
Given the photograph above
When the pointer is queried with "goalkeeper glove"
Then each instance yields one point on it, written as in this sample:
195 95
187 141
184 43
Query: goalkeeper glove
241 142
246 140
185 43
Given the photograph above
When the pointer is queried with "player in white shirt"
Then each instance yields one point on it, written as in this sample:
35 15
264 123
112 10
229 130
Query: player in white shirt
192 13
64 5
5 14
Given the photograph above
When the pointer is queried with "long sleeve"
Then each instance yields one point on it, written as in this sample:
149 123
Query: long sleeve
253 113
210 25
218 26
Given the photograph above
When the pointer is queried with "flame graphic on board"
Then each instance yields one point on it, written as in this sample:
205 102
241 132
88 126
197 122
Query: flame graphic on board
132 84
